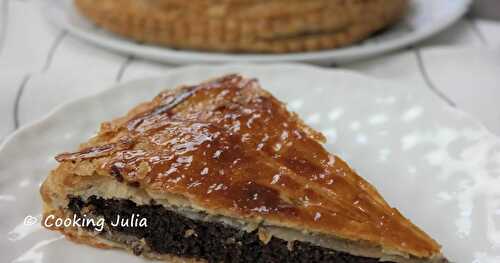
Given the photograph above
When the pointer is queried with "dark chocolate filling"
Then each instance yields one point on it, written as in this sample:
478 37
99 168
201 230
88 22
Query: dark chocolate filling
171 233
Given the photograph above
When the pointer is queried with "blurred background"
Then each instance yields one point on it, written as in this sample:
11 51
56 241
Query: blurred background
42 66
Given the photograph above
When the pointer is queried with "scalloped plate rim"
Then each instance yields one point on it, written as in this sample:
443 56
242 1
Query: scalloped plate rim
162 54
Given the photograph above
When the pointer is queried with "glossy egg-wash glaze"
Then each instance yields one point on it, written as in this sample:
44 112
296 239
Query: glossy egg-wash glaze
229 145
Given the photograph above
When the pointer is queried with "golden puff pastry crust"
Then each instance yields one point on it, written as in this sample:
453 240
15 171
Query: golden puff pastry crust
277 26
226 157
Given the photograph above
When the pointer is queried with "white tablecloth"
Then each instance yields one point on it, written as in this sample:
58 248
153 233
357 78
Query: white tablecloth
42 66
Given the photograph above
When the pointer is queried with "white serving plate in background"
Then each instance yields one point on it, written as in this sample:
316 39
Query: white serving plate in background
426 18
437 165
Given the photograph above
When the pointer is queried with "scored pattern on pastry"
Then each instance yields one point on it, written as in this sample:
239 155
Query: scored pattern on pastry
245 26
224 156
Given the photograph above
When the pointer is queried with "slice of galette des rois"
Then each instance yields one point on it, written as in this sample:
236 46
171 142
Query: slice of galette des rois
222 172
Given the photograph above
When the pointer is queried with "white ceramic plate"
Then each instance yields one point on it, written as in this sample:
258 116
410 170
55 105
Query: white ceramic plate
426 18
436 164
